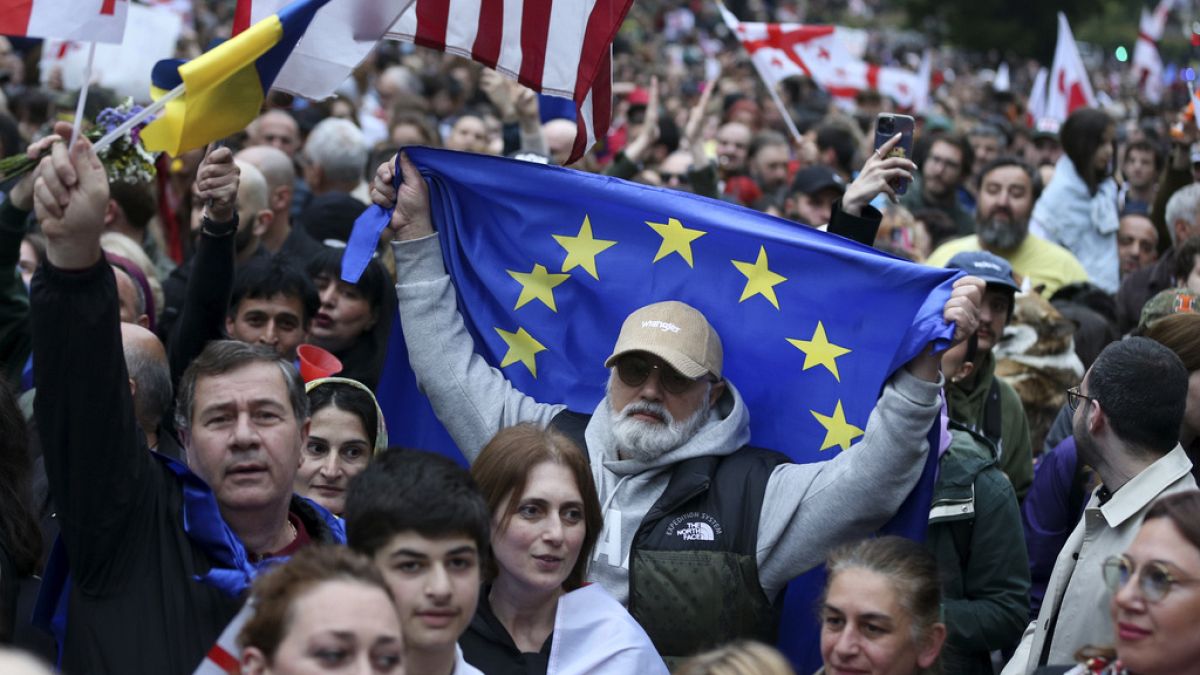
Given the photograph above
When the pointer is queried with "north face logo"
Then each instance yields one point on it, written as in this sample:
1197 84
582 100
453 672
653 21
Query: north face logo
696 532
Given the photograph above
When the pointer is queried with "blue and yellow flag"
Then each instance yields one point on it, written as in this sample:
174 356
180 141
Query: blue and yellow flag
224 87
549 261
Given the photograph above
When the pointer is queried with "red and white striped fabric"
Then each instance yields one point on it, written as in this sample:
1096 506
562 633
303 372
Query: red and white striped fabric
78 20
1070 86
557 47
783 50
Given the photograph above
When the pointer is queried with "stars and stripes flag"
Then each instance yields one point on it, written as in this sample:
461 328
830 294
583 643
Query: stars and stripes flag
557 47
819 52
80 20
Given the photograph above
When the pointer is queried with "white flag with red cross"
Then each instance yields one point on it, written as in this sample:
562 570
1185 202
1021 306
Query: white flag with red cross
824 54
1070 88
78 20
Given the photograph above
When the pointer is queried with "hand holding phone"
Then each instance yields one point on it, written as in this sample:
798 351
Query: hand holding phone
888 125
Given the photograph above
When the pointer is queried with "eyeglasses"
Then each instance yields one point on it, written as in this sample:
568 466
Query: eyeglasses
680 178
1073 396
635 369
1154 579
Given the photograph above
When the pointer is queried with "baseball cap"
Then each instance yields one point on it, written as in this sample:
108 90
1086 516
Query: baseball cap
812 179
994 270
639 96
1168 302
674 332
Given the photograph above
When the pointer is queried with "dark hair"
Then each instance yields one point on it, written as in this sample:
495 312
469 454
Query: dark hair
841 141
767 139
1081 136
136 200
1181 334
910 568
1035 179
225 356
20 534
276 592
1183 510
958 141
1141 386
265 277
404 116
1185 258
502 473
10 136
373 284
414 491
346 397
1143 145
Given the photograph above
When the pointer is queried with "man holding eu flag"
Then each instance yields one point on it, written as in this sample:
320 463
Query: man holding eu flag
702 531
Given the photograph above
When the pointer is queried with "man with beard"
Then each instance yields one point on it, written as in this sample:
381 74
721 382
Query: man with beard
947 164
1008 188
1125 420
981 401
701 531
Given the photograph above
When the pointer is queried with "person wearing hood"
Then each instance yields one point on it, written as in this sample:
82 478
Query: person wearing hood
697 523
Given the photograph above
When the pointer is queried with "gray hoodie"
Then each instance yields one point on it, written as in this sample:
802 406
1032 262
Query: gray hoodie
843 499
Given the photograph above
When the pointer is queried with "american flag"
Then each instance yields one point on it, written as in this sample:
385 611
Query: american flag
557 47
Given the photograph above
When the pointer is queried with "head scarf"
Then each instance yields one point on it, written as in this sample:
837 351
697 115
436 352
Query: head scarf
381 438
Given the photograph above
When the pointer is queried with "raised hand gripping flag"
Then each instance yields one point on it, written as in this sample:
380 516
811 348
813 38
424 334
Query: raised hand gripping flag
225 87
549 261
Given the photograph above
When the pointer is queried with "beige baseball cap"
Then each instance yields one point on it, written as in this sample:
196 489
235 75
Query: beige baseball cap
674 332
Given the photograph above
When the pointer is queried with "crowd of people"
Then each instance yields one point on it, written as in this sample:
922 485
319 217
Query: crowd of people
185 483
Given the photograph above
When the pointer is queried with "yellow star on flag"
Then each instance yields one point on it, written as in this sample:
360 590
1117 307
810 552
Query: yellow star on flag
837 430
759 279
521 347
582 249
819 351
537 284
676 239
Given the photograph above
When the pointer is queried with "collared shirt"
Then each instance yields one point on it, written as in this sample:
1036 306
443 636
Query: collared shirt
1077 595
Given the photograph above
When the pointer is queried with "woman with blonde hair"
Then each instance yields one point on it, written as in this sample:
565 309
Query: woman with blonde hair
744 657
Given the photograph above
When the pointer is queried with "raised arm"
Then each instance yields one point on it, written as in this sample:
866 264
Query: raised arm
204 307
809 508
97 464
471 399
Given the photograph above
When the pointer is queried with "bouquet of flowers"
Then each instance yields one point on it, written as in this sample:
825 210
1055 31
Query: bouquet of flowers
125 159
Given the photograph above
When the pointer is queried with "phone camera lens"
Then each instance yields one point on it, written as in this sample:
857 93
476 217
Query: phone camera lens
885 124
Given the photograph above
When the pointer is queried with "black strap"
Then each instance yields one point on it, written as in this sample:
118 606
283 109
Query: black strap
992 419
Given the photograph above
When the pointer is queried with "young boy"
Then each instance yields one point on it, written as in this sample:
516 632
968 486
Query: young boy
421 519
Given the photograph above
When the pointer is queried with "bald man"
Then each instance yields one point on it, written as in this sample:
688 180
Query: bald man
150 385
560 139
281 236
277 129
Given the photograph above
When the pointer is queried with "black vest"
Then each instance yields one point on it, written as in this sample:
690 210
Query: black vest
693 570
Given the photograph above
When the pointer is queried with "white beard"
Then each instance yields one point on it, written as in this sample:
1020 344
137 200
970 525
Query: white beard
647 441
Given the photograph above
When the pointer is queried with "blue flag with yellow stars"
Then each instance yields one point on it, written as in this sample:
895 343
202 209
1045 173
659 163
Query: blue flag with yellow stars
549 261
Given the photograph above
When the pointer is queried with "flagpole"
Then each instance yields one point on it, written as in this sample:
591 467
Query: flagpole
783 111
130 123
83 94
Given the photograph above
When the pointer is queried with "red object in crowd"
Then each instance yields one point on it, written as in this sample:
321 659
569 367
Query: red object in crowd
168 208
316 363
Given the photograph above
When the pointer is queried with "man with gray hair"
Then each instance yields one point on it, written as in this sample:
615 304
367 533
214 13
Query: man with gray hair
335 155
160 554
1183 222
150 386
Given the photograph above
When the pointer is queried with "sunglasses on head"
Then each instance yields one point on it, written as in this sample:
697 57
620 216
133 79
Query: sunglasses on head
634 370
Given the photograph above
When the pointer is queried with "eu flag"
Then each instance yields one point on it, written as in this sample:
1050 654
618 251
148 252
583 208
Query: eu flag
548 262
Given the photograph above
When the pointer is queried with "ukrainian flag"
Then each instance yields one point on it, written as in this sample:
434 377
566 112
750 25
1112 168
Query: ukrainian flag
225 87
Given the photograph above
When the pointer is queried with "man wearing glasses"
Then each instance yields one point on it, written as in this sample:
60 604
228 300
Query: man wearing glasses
701 531
1126 416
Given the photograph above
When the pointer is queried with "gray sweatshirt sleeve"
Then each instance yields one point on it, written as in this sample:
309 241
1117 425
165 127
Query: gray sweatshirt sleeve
472 399
810 508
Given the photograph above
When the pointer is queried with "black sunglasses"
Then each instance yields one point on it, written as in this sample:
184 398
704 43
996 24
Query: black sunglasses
635 369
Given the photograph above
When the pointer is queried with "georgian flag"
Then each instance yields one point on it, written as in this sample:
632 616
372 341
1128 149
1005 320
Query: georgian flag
1070 88
1147 64
78 20
825 54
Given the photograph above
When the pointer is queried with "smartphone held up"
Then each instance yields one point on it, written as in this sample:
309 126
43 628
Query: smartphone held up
887 125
